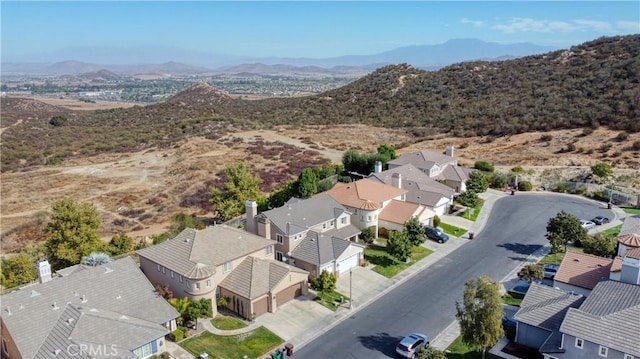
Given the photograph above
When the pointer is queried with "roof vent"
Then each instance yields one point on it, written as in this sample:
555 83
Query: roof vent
83 299
34 293
8 309
70 320
576 260
124 317
56 352
108 270
55 306
119 296
21 306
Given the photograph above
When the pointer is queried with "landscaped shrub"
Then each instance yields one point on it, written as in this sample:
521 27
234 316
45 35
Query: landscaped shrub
517 169
223 302
436 221
525 186
368 235
325 282
581 190
561 188
499 180
177 335
383 232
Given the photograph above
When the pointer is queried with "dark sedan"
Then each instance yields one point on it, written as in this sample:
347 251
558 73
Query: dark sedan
599 220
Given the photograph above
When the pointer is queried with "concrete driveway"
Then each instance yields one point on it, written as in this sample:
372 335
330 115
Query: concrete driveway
365 284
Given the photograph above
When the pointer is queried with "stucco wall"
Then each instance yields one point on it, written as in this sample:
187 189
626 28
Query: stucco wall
531 336
571 288
589 350
10 351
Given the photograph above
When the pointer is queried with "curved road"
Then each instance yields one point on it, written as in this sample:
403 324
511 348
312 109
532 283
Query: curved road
426 302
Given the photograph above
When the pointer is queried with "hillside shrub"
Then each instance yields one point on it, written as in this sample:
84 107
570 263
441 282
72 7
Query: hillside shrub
484 166
499 180
636 146
546 138
622 136
561 188
517 169
57 121
525 186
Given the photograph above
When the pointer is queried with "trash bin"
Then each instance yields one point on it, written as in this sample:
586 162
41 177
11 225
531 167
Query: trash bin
276 355
513 192
471 235
609 205
289 348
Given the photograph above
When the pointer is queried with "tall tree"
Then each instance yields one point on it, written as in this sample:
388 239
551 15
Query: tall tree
602 170
241 186
603 245
564 228
480 314
73 232
468 198
398 246
120 244
387 153
477 182
414 231
18 269
307 184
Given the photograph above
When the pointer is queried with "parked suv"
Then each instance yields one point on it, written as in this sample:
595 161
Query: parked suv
436 234
411 344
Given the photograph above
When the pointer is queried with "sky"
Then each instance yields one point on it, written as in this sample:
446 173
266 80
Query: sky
304 28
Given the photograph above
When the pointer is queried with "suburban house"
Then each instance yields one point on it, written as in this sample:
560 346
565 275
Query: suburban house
222 261
109 310
442 167
375 204
315 234
421 189
603 323
629 236
579 273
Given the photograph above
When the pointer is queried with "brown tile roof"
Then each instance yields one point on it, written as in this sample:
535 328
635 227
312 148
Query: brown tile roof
583 270
616 266
364 193
633 253
400 212
630 239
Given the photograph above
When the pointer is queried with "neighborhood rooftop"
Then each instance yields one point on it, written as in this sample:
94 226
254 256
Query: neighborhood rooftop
583 270
298 215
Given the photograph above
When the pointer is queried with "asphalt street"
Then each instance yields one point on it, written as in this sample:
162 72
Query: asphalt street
426 302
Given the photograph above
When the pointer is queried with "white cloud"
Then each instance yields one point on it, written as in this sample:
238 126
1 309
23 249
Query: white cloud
533 25
476 23
632 26
593 25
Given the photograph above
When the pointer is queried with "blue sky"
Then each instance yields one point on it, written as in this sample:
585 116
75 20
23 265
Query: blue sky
305 28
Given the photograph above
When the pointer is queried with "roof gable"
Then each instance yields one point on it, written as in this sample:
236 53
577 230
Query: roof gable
319 248
363 193
298 215
255 277
545 307
424 159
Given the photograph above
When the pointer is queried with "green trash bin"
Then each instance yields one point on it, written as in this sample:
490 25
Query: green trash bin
276 355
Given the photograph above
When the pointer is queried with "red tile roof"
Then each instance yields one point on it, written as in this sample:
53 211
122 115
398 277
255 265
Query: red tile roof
583 270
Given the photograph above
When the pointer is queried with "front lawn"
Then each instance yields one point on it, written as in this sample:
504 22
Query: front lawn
508 299
331 300
556 258
471 215
614 231
452 230
630 210
253 344
459 350
388 266
225 322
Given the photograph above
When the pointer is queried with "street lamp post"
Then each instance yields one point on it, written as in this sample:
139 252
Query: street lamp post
350 291
611 193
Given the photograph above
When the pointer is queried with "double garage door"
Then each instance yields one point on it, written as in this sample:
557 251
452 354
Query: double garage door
349 263
289 293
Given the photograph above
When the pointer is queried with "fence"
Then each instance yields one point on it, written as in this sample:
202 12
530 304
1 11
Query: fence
603 193
237 222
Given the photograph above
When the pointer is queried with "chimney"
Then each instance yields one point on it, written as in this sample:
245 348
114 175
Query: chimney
449 151
377 167
263 225
630 272
251 209
396 180
44 271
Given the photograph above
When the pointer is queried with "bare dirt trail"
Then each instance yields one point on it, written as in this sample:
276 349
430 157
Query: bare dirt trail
2 129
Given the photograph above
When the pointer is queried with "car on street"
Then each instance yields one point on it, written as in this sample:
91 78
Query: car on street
550 270
411 344
436 234
587 224
599 220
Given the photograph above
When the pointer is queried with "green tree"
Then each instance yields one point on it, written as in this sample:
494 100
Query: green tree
398 246
200 308
387 152
73 232
120 244
469 199
18 269
431 353
307 184
368 234
499 180
564 228
480 314
414 231
281 195
241 186
325 282
602 170
603 245
181 305
484 166
57 121
531 272
477 182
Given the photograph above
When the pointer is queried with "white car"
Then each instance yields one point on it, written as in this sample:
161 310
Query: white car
411 344
587 224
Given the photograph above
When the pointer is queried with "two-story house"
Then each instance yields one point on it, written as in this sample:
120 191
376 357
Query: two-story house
315 234
421 188
109 310
443 167
375 204
222 261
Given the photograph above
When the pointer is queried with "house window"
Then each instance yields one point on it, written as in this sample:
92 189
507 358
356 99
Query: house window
172 274
324 226
362 218
279 238
333 223
227 267
603 351
368 218
208 283
164 270
158 268
356 212
269 250
628 356
343 220
181 278
579 343
279 256
197 285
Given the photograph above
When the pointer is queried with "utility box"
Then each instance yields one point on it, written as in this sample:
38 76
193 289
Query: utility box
277 355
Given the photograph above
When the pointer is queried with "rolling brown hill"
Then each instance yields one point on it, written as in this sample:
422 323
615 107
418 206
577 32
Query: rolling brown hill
593 84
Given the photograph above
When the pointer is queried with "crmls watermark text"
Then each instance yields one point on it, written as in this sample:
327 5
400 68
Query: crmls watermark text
93 350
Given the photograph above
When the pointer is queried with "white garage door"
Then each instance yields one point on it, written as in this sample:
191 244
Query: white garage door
349 263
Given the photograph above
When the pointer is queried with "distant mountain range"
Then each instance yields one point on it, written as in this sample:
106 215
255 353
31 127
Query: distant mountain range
79 60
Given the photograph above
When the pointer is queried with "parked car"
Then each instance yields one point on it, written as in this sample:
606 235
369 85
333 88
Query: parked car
550 270
520 289
411 344
600 220
587 224
436 234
